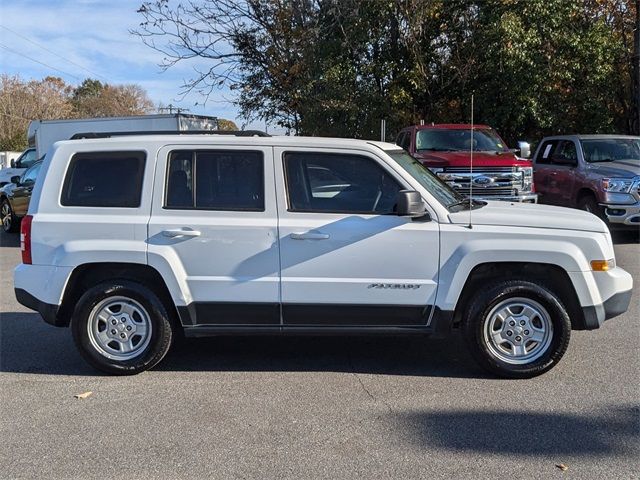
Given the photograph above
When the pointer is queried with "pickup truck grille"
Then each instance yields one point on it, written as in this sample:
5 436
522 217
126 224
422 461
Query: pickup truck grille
487 181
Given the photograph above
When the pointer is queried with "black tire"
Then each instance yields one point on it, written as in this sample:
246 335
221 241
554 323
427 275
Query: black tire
10 223
160 338
477 326
588 203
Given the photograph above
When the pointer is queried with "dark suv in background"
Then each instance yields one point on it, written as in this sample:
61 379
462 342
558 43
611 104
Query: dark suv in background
15 197
596 173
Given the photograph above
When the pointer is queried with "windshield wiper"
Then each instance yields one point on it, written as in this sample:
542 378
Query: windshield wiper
466 202
603 160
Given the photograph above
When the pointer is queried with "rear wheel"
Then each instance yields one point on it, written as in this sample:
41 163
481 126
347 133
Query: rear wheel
121 327
517 328
10 222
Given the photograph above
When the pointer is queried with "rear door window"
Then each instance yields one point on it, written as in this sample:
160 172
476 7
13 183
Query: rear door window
215 180
104 179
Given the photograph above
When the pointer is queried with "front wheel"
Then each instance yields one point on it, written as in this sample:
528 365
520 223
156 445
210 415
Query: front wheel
588 203
517 328
121 327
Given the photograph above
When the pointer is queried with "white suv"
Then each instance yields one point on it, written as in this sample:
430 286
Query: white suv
132 239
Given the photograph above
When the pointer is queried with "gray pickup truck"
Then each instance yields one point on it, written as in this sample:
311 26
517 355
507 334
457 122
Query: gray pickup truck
596 173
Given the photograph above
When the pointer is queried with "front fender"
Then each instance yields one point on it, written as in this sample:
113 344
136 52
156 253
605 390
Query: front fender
461 261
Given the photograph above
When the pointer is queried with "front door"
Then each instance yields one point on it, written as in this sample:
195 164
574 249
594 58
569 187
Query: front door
213 227
565 160
346 258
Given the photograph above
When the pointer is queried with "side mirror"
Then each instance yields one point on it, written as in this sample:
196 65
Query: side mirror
409 204
15 179
525 149
13 163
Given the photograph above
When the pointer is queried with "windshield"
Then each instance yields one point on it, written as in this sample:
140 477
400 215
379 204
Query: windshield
611 149
27 159
436 187
443 140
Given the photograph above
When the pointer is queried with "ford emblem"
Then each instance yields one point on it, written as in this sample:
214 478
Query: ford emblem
482 181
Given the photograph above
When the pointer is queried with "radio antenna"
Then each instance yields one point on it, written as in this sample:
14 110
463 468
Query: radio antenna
471 168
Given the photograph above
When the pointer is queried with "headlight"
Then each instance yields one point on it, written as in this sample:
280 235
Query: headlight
436 170
527 178
619 185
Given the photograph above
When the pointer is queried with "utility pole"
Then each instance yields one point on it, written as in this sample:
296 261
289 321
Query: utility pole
170 108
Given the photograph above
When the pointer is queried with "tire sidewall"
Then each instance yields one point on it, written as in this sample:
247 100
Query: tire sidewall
161 333
14 220
478 316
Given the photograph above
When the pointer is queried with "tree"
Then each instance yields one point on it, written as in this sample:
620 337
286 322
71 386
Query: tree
51 98
22 101
336 67
224 124
94 99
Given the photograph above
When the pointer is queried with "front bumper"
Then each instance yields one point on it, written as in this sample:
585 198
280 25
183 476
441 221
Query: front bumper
628 215
602 295
595 315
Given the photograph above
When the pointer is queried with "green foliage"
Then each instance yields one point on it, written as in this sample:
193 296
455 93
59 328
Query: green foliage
336 67
88 88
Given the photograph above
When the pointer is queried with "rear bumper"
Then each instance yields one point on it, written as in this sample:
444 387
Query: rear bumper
47 311
595 315
40 288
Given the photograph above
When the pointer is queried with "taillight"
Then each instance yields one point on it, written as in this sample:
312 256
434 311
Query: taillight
25 239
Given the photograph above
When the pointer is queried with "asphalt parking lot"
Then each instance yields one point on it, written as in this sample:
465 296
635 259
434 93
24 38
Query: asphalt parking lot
223 408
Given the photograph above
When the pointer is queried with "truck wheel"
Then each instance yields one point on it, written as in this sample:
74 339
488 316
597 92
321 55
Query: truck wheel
517 328
589 204
10 222
121 327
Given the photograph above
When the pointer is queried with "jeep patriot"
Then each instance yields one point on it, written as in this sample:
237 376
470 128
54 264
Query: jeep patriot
131 240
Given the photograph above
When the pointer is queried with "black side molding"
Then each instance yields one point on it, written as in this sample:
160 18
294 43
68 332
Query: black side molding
48 311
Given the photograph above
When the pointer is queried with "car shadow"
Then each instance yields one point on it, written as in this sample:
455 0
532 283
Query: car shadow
521 432
28 345
9 239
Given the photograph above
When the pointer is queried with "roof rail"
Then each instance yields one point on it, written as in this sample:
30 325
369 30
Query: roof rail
236 133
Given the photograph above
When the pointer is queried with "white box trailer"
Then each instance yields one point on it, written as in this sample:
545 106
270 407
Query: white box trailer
42 134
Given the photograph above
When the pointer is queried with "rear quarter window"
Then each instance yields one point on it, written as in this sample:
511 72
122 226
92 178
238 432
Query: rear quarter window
104 179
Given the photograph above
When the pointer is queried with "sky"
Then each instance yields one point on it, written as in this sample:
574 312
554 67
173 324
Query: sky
93 37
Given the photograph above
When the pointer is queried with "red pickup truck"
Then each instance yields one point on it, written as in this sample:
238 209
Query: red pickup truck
498 174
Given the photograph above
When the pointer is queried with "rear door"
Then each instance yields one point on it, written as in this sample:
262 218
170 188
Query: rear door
346 258
214 227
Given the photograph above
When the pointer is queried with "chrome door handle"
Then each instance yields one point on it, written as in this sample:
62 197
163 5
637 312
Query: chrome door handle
179 232
310 236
